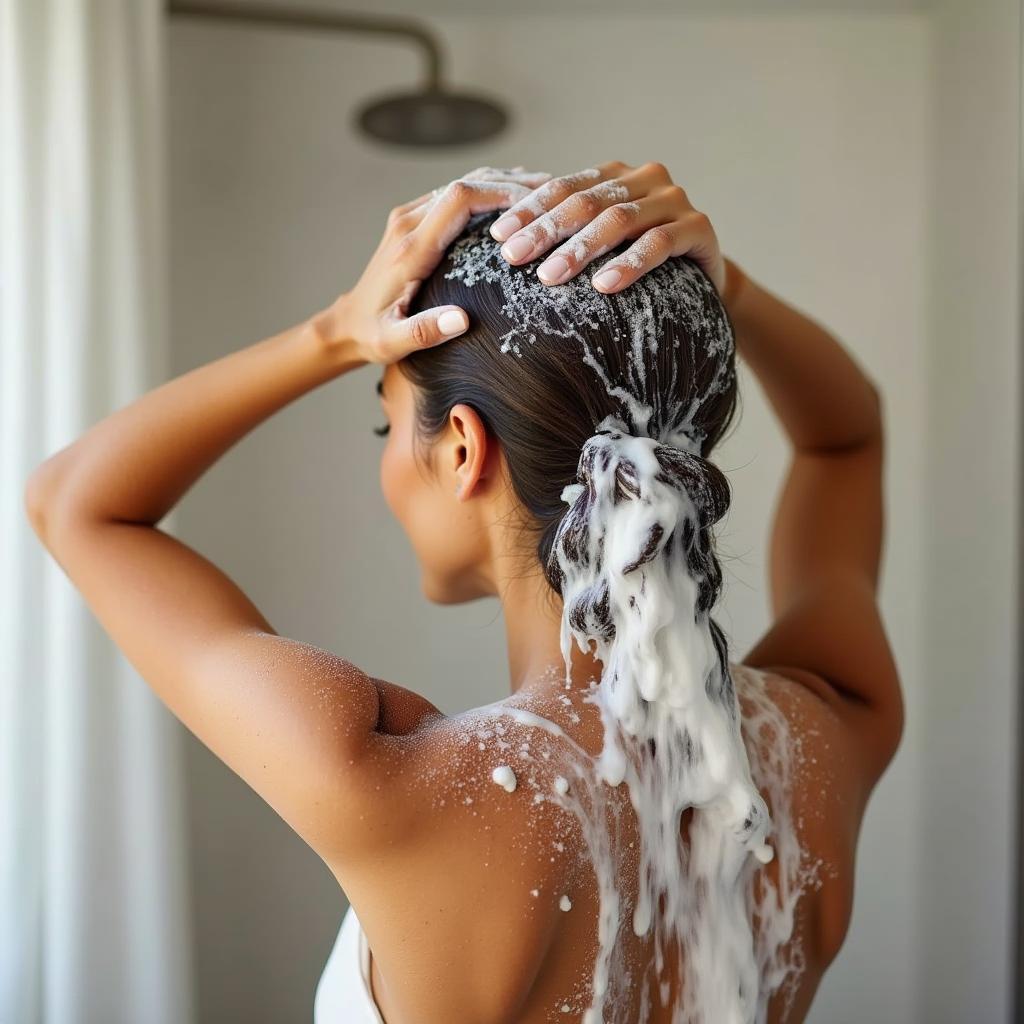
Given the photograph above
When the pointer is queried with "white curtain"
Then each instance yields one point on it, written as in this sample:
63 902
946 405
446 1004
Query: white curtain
93 888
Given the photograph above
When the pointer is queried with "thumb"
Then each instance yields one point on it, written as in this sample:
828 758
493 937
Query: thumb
405 334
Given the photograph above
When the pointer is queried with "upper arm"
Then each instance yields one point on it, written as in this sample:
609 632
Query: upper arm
297 723
824 562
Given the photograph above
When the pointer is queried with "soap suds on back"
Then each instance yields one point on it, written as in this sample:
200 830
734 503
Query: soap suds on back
504 777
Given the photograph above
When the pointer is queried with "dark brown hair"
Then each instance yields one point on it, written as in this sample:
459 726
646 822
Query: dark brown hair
542 401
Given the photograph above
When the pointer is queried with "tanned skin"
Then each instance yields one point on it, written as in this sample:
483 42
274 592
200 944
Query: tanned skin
361 767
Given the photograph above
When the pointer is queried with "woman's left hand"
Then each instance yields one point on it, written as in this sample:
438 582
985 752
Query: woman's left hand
600 207
371 319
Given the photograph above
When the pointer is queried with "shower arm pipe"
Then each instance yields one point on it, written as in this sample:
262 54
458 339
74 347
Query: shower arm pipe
319 21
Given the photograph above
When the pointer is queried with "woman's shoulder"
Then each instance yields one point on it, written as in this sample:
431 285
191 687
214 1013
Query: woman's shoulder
792 706
807 764
482 832
489 773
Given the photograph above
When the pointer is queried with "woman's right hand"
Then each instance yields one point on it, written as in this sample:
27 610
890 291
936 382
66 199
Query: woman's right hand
370 319
600 207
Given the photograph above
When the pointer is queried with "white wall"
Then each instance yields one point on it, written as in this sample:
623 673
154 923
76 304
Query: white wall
965 963
811 141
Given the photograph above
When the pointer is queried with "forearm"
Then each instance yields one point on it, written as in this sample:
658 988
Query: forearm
136 464
822 398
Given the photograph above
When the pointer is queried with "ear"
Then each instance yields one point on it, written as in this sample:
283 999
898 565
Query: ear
469 452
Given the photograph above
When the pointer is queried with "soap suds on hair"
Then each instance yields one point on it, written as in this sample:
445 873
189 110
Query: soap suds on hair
668 292
634 581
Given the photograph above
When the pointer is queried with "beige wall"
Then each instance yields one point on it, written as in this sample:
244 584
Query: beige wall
812 141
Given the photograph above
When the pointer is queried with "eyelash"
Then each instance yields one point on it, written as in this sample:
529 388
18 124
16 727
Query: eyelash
382 431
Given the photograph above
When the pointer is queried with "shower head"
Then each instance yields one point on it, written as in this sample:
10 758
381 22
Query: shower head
431 117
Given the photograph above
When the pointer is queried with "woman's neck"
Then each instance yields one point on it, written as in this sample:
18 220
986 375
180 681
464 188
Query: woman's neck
533 625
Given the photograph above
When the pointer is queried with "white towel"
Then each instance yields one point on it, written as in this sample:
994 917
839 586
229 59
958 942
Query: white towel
343 994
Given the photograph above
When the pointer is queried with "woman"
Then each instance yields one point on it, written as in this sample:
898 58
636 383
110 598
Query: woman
481 897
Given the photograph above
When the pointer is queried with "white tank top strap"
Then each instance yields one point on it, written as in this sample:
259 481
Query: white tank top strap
343 994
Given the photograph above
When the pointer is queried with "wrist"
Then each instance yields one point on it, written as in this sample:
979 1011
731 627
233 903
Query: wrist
735 283
331 329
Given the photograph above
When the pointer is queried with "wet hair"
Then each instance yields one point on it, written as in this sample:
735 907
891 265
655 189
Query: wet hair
556 374
607 408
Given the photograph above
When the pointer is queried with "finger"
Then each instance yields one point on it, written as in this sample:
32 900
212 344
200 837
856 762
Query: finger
401 334
648 251
404 208
548 196
532 179
571 216
529 180
448 213
681 238
567 217
613 225
409 217
519 175
414 210
484 172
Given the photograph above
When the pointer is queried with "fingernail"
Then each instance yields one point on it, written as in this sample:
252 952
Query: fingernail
607 278
504 226
518 249
553 270
451 321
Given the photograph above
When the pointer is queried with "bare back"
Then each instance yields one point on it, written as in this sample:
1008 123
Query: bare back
471 922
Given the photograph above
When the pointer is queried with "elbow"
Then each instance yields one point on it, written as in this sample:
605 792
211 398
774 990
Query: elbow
876 394
40 497
877 429
35 501
897 719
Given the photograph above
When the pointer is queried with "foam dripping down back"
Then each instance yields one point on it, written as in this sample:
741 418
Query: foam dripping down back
629 563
